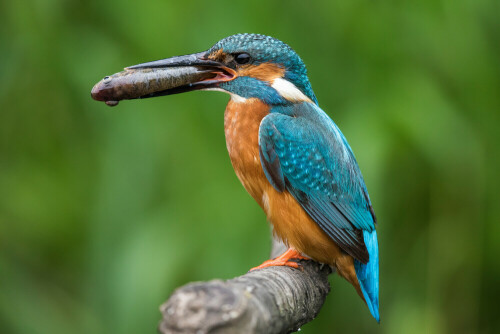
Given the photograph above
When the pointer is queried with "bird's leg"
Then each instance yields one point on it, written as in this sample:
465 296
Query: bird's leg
283 260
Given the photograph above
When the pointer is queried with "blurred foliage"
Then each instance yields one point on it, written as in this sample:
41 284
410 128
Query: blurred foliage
103 212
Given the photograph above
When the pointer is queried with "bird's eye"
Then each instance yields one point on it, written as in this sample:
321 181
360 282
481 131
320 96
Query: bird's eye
242 58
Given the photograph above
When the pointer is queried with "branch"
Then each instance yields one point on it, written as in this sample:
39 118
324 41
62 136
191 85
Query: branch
270 300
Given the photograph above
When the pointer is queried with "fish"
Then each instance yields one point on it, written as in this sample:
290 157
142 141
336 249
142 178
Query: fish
140 83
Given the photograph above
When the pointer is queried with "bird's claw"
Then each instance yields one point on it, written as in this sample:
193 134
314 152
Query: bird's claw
273 263
284 260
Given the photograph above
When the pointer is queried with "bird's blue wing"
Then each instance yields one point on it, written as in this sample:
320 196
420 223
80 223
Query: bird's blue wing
304 152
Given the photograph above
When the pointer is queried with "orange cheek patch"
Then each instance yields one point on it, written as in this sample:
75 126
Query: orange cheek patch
264 72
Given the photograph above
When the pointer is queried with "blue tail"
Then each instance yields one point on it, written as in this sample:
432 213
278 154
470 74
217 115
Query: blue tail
368 273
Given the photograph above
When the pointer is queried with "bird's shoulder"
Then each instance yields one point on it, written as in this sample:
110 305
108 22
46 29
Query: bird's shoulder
308 140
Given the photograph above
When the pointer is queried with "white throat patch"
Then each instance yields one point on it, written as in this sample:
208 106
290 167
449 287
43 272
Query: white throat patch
237 99
234 97
289 91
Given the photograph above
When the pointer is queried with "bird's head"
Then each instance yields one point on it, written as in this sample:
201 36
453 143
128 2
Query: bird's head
244 65
265 68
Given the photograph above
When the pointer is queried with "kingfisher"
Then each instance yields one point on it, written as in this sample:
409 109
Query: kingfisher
286 151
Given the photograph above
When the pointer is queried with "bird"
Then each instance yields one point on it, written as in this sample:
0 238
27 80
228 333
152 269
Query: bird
288 154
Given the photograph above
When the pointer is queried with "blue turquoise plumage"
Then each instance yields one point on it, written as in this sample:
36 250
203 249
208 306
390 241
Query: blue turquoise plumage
368 275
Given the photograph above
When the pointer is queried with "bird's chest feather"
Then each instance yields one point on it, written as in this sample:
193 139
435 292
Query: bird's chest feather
241 126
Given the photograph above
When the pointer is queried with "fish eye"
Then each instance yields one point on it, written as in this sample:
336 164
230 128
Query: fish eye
242 58
106 79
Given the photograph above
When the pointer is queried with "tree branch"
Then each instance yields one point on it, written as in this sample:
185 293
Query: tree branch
270 300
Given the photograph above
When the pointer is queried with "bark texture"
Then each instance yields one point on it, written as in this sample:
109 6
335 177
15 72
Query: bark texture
269 300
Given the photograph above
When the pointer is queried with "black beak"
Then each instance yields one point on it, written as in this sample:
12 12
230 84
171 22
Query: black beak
163 77
195 59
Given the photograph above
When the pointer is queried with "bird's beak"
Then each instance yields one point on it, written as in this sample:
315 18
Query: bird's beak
163 77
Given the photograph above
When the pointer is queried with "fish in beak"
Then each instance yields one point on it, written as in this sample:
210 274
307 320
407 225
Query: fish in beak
162 77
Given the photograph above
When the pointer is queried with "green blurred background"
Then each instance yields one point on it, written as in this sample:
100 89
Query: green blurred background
103 212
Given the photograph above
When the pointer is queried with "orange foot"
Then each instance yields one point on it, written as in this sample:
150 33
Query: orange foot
283 260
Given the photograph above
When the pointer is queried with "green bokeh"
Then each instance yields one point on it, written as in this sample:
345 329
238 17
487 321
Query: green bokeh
103 212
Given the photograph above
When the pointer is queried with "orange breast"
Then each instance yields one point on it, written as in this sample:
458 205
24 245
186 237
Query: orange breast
241 126
290 222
